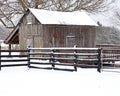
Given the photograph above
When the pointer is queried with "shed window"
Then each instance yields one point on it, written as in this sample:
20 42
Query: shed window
70 41
29 19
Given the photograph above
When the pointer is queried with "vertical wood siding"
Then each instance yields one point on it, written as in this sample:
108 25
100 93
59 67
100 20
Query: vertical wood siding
54 35
30 32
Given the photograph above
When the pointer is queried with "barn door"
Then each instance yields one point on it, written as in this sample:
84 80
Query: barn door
70 41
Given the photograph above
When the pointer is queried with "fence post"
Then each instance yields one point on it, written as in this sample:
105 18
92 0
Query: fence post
99 60
75 60
28 53
52 58
9 49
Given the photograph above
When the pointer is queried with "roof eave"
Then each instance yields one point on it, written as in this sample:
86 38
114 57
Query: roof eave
7 40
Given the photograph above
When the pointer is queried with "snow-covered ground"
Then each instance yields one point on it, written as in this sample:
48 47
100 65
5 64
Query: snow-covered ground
21 81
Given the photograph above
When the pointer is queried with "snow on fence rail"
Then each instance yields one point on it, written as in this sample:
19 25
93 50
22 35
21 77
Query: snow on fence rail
52 58
74 57
10 58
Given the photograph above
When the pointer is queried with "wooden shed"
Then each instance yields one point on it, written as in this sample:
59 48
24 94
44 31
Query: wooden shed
43 28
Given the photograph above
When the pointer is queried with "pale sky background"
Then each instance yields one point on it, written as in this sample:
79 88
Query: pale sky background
107 18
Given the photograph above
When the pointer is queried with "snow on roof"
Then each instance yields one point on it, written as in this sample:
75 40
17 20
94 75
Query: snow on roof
64 18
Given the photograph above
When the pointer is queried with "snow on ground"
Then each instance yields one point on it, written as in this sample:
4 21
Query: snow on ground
22 81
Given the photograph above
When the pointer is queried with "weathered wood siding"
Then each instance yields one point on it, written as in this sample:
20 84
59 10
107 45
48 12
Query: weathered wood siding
30 34
35 34
56 35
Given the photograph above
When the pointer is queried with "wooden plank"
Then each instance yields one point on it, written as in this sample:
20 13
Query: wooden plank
14 60
88 60
58 58
65 64
40 63
87 65
13 65
64 69
49 68
110 60
68 54
13 56
13 50
111 54
40 53
40 58
65 48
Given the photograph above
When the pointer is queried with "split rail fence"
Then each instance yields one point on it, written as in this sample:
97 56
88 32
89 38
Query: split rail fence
10 58
61 58
53 58
110 55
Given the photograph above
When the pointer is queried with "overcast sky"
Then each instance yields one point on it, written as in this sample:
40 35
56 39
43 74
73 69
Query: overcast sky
108 18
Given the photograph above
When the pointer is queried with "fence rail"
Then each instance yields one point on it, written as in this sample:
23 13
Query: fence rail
75 57
60 58
110 56
15 58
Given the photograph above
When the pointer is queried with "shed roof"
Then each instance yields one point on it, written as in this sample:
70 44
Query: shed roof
53 17
62 18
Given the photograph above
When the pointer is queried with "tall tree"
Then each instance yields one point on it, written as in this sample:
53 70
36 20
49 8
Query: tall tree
9 8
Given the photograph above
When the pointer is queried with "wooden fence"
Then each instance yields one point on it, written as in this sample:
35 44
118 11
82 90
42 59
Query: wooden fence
108 46
73 57
110 58
61 58
10 58
110 54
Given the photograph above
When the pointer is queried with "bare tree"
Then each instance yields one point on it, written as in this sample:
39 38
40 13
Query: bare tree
9 8
75 5
116 17
68 5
